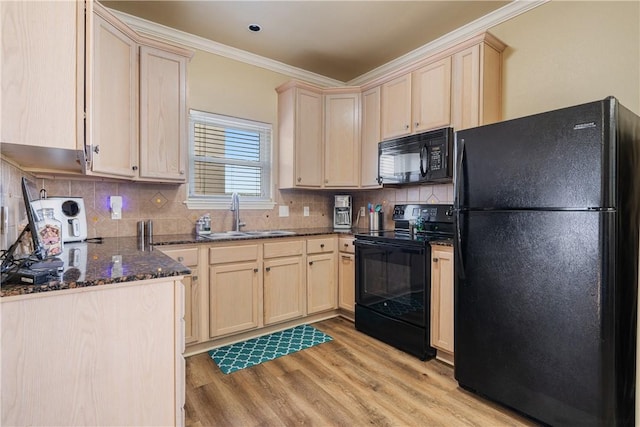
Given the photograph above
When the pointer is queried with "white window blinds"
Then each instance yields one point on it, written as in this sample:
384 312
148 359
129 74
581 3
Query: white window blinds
229 155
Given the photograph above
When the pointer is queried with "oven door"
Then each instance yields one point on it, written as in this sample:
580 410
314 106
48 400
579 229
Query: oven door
392 279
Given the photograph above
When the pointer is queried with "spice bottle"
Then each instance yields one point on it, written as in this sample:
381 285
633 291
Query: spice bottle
49 232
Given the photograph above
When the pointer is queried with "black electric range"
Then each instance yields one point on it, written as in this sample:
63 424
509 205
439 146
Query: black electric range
393 277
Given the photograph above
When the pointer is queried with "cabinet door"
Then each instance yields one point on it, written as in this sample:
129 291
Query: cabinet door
191 306
347 282
308 139
284 294
466 88
233 298
163 128
370 138
321 283
342 140
442 298
396 107
192 292
42 70
113 118
431 96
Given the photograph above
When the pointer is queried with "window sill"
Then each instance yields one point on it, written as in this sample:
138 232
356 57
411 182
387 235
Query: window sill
224 204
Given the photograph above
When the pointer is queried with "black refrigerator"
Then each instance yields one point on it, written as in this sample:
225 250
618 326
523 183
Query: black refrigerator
546 263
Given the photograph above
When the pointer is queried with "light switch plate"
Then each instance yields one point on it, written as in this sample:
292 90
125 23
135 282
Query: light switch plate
305 211
283 210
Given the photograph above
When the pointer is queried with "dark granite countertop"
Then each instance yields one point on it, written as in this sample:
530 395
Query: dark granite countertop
185 239
93 264
114 260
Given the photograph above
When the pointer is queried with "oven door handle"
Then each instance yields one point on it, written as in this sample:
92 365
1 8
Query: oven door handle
391 246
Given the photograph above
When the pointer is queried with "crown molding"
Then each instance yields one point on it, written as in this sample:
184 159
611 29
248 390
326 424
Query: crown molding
152 29
155 30
451 39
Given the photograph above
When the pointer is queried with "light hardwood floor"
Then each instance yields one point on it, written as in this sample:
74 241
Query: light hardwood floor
351 381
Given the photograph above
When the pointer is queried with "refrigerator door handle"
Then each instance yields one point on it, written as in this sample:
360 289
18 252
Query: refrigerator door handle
456 203
458 247
458 176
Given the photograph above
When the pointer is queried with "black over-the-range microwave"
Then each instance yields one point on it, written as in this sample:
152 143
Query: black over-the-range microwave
421 158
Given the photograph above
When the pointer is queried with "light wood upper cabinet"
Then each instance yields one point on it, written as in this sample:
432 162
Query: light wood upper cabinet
300 136
477 83
42 84
431 96
342 140
113 113
396 107
442 301
417 101
370 138
163 115
42 73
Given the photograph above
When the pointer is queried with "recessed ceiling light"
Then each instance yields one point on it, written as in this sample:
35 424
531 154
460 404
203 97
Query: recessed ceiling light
254 27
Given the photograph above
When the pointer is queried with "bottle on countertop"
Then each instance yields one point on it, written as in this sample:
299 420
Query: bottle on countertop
203 225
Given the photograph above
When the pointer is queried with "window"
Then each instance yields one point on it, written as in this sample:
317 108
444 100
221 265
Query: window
228 155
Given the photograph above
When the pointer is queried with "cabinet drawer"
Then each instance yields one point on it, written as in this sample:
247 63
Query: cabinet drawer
321 245
345 244
279 249
187 256
223 254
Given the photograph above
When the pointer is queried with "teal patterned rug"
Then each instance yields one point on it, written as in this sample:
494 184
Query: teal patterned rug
252 352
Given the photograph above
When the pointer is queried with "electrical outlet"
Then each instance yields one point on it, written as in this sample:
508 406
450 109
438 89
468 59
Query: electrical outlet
283 210
362 211
305 211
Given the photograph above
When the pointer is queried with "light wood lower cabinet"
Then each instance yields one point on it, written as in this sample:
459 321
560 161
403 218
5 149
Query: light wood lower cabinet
347 275
442 304
234 290
322 275
103 355
189 258
284 281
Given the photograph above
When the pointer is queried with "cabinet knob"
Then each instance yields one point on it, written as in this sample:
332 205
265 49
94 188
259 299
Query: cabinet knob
417 124
346 245
135 168
182 172
435 260
268 269
310 262
255 270
194 278
299 179
406 126
96 149
322 245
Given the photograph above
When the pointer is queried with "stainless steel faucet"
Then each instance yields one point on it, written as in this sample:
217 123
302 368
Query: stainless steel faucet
235 208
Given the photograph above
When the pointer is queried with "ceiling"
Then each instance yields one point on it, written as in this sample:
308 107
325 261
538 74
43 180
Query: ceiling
337 39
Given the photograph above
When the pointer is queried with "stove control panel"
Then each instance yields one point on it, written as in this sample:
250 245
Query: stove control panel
428 213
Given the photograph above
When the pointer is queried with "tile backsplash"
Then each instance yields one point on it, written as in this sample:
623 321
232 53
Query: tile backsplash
164 204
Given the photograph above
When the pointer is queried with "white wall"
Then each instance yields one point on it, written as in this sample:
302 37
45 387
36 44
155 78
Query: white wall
564 53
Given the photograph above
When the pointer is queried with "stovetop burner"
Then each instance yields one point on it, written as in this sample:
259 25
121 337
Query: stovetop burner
430 222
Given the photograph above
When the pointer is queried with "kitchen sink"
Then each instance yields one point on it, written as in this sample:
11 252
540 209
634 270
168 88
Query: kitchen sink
247 234
270 233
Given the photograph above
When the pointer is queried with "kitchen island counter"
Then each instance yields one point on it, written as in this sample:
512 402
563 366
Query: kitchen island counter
107 261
